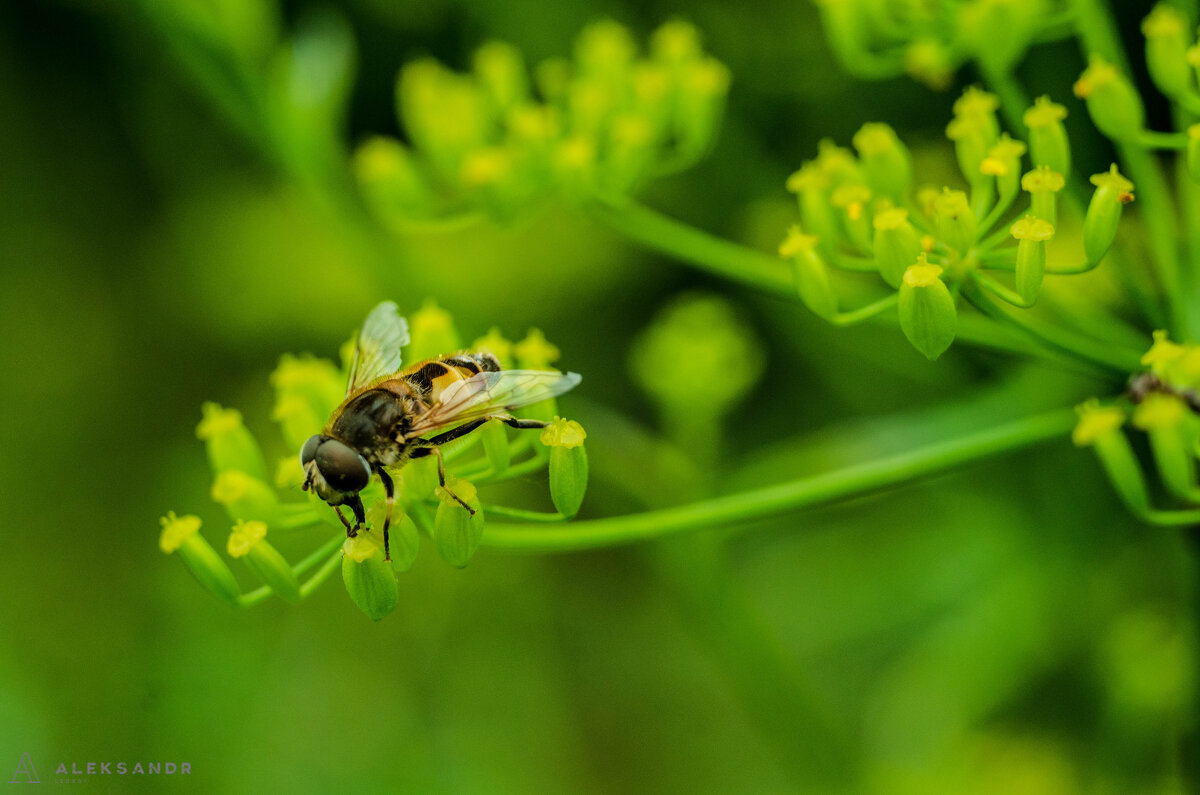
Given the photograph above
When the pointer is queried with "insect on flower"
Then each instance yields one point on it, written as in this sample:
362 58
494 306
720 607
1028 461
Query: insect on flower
392 415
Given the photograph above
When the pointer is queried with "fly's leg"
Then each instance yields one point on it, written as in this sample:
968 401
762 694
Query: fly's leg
389 489
351 532
437 451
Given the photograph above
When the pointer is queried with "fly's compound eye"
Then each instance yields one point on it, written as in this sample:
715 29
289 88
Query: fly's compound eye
343 469
309 451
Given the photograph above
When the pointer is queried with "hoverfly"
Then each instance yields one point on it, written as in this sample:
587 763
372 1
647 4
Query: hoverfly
392 415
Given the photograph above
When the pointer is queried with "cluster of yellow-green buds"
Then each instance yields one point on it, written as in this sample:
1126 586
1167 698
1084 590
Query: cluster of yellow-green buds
1163 402
861 211
497 140
264 505
930 41
1173 61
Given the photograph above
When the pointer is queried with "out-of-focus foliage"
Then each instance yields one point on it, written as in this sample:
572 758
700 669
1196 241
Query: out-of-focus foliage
178 213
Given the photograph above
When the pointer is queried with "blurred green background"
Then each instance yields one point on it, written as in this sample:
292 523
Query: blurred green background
1005 628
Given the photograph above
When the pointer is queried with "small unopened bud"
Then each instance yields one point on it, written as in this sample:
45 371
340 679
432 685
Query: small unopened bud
245 497
811 186
853 199
568 464
1048 142
432 331
391 181
956 224
1031 233
1163 417
229 444
1167 42
896 245
810 273
1043 186
885 160
403 537
1003 162
929 61
248 541
181 534
1112 101
1100 428
369 579
501 70
456 532
927 313
1113 192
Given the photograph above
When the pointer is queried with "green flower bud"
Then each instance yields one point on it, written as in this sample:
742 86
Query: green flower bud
1048 142
1100 429
811 186
446 114
229 444
999 31
1113 192
432 332
496 344
980 106
248 541
369 580
675 42
568 464
810 272
307 389
418 478
852 199
1112 101
1193 152
885 160
896 246
404 537
456 532
956 224
700 103
1003 162
1043 186
1167 42
501 69
182 534
971 144
391 181
495 445
1031 233
245 497
930 62
928 317
1166 419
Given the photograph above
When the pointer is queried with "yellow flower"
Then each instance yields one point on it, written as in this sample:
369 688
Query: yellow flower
176 529
244 536
563 433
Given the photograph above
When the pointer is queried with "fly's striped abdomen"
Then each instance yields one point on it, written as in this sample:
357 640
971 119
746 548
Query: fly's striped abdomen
428 379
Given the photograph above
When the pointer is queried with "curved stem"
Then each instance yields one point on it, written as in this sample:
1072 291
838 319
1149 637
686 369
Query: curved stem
686 243
865 312
520 513
331 549
840 484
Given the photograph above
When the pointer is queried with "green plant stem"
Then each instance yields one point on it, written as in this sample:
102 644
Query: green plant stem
840 484
521 513
686 243
999 290
1151 139
331 549
1063 340
865 312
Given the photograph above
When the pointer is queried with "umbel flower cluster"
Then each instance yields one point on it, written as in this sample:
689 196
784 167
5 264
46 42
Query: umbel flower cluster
930 41
860 211
497 140
263 502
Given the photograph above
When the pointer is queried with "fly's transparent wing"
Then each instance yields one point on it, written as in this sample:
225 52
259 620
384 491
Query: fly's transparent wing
491 393
377 350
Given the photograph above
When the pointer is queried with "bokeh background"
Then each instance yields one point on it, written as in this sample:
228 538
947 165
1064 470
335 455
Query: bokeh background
1003 628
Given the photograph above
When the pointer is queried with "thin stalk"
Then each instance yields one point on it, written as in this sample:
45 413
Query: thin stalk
865 312
840 484
686 243
331 549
